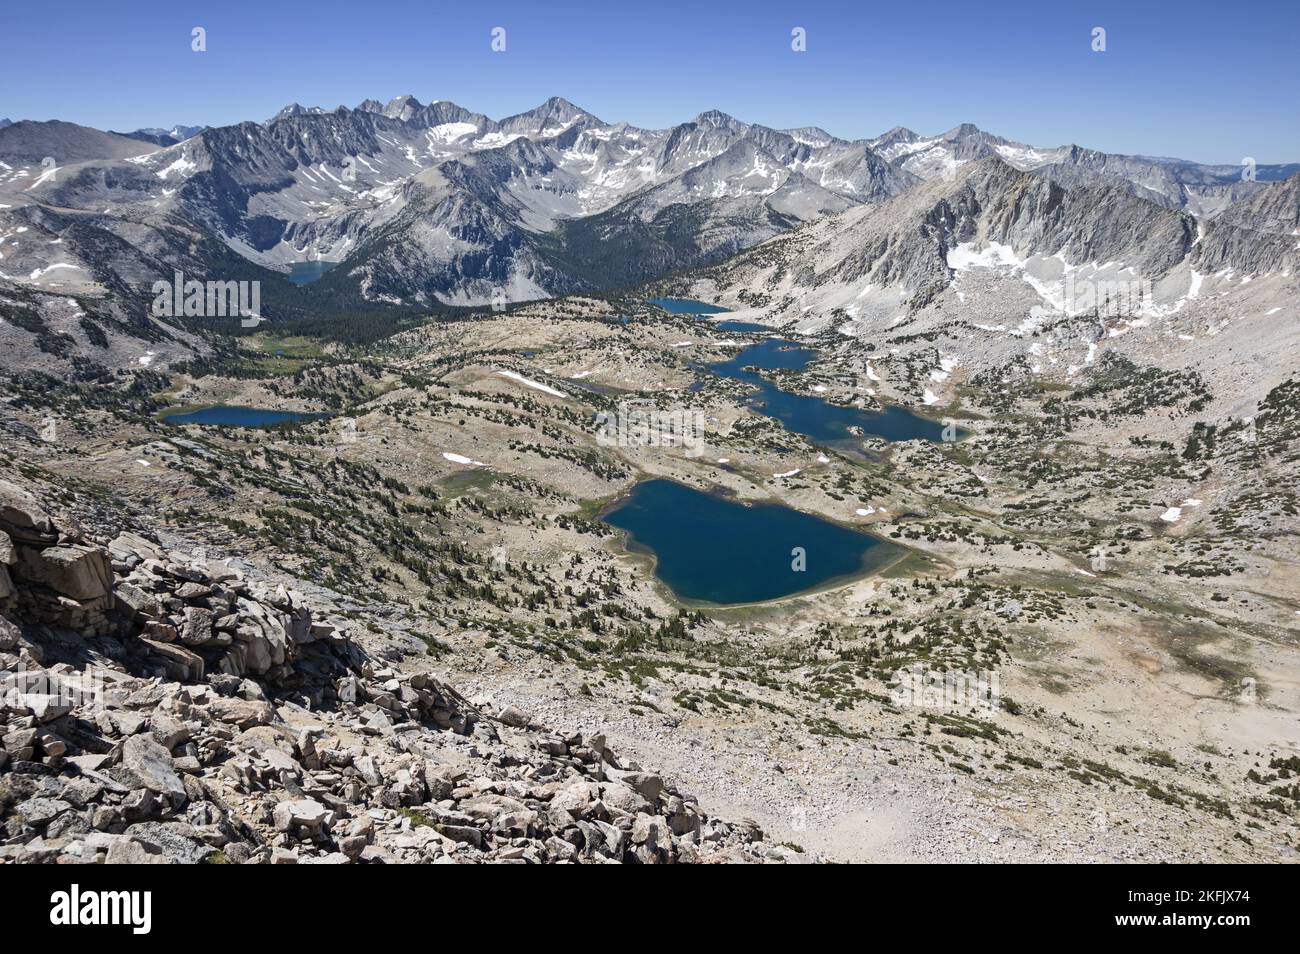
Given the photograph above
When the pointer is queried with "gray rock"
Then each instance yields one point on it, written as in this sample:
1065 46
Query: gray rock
197 628
181 664
192 591
649 830
127 722
78 571
39 812
45 707
125 851
624 799
176 842
513 716
307 812
168 730
462 833
137 601
20 744
644 784
23 517
148 761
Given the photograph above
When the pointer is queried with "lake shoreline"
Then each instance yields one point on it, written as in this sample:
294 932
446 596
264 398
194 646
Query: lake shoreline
877 555
211 415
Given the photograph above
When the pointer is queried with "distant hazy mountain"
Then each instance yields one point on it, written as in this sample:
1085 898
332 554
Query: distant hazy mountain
153 138
1176 183
293 109
4 123
164 137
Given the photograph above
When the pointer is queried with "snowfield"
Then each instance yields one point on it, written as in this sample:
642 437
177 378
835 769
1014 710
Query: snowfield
530 383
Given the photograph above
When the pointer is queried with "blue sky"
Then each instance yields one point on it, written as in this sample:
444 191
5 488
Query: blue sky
1212 82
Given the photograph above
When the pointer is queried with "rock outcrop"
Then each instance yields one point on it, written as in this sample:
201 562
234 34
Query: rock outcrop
157 707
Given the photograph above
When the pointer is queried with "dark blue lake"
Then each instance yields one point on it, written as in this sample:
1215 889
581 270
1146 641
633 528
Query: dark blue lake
732 324
812 416
803 414
233 416
686 306
303 273
709 549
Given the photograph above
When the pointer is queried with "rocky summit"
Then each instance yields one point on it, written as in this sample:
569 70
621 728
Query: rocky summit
162 708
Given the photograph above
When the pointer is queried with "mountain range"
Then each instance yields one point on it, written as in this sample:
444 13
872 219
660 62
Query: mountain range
428 205
904 253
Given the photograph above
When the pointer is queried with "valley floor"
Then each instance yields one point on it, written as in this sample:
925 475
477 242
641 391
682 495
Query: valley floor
1147 661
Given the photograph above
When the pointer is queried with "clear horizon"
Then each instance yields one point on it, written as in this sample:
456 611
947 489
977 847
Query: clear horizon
1200 86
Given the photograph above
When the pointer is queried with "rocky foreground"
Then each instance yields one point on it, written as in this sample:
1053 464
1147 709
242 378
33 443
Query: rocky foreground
161 708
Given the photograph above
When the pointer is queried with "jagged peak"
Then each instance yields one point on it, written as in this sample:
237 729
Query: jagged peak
559 102
556 109
718 119
964 131
402 107
296 109
810 135
993 164
897 133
